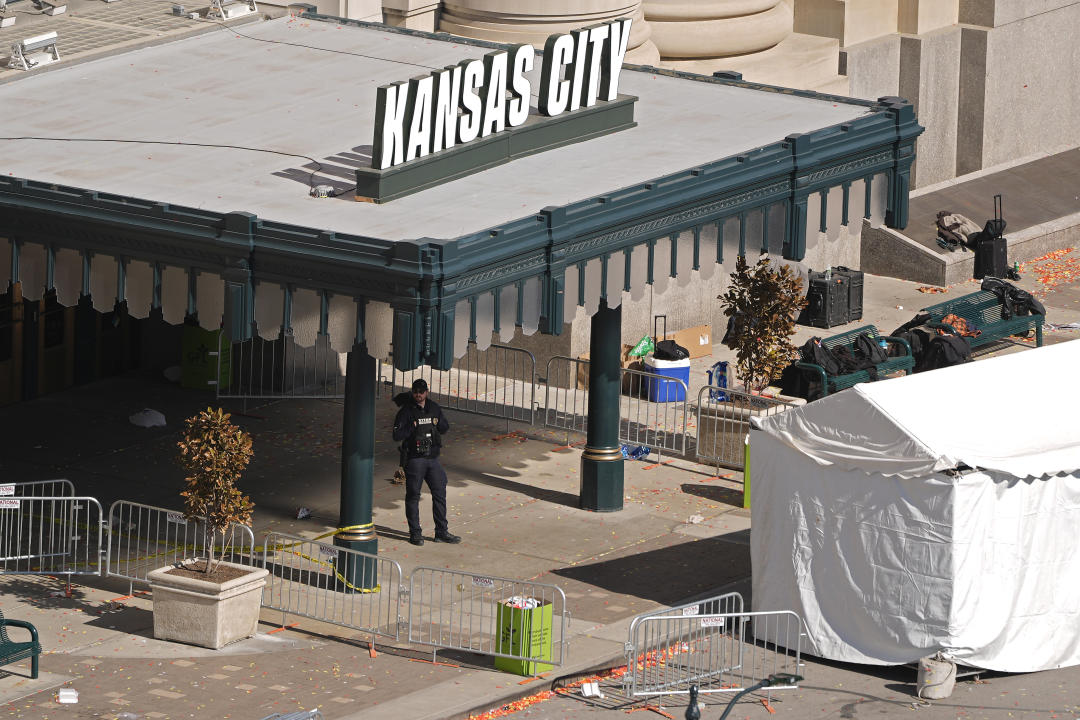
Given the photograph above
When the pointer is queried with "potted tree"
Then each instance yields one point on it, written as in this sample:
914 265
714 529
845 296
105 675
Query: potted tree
203 601
762 301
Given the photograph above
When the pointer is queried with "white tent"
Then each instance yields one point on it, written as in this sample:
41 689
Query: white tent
938 511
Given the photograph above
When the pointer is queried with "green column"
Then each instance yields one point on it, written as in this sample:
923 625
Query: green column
602 461
357 472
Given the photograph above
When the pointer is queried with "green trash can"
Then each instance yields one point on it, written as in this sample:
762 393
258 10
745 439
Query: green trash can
199 364
525 632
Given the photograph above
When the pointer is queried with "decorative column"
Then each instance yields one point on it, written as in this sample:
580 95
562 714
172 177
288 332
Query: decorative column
357 472
717 28
602 460
531 22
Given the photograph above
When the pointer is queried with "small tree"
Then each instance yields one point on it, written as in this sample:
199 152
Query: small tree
215 453
763 300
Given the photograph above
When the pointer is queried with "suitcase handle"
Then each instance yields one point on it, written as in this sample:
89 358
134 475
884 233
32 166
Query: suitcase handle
657 338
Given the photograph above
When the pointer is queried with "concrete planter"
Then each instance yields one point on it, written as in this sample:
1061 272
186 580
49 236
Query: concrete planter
208 614
723 426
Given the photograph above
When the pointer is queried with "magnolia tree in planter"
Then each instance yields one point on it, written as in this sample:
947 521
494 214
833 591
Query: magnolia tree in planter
764 301
201 601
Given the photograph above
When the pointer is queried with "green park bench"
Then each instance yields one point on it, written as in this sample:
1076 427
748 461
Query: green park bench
902 360
13 652
983 312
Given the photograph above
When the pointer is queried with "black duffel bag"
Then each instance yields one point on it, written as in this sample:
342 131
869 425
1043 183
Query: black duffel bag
670 350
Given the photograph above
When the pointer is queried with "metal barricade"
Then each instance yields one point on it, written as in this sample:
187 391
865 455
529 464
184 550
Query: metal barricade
659 425
306 579
723 420
566 397
718 652
499 382
280 368
38 488
50 535
643 650
462 611
144 538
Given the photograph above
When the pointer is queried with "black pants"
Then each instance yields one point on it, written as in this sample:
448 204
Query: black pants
417 470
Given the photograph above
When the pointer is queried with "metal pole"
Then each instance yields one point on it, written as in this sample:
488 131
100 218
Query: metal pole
602 460
357 472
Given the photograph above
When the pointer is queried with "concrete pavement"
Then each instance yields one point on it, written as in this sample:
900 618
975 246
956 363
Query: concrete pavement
512 497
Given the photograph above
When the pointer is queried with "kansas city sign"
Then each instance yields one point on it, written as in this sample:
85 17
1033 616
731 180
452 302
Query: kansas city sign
478 98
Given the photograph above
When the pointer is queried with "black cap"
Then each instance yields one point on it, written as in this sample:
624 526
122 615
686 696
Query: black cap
419 385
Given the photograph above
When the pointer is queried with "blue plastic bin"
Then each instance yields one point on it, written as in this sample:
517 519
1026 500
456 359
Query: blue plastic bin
667 390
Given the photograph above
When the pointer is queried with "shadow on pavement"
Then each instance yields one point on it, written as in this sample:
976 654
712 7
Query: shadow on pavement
545 494
667 575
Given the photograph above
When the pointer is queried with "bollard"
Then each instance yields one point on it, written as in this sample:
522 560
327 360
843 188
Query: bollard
693 712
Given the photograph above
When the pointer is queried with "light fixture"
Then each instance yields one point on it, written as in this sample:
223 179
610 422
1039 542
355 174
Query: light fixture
226 10
34 51
49 8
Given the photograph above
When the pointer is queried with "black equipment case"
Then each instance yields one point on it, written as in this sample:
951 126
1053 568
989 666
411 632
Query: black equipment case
991 249
827 300
855 290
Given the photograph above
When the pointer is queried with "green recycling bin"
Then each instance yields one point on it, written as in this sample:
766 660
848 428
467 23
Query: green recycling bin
525 632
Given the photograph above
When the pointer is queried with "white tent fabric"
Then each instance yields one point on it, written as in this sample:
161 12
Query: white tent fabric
861 525
992 414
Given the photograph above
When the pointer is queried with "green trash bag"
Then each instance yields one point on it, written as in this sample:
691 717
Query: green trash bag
644 346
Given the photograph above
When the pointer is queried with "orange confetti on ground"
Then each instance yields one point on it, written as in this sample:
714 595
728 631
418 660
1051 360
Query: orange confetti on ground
1052 269
283 627
930 289
768 706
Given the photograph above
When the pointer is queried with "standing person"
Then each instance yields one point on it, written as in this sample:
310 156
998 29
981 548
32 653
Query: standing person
419 426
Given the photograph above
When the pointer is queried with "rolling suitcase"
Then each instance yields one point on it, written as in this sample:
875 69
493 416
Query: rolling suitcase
991 249
991 257
826 300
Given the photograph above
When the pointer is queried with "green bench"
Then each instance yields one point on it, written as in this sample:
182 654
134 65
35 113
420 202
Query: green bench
13 652
901 360
982 311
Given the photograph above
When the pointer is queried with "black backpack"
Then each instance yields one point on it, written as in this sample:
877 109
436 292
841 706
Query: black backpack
814 352
867 348
946 351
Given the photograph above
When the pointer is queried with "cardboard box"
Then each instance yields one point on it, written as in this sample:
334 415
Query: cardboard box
697 340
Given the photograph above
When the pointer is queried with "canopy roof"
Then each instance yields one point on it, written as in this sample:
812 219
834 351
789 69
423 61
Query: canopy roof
307 88
1015 414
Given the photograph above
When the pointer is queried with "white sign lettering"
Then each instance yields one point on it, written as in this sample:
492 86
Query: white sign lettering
7 490
8 503
175 517
712 621
483 582
478 98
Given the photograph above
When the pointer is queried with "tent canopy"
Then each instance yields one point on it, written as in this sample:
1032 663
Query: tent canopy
1014 414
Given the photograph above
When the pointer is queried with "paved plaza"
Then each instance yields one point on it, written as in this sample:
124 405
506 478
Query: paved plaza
682 535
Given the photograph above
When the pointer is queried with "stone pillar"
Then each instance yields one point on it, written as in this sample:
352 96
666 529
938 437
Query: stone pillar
602 461
530 22
357 471
412 14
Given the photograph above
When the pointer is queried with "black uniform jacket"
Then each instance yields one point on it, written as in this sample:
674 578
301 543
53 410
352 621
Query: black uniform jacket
410 414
